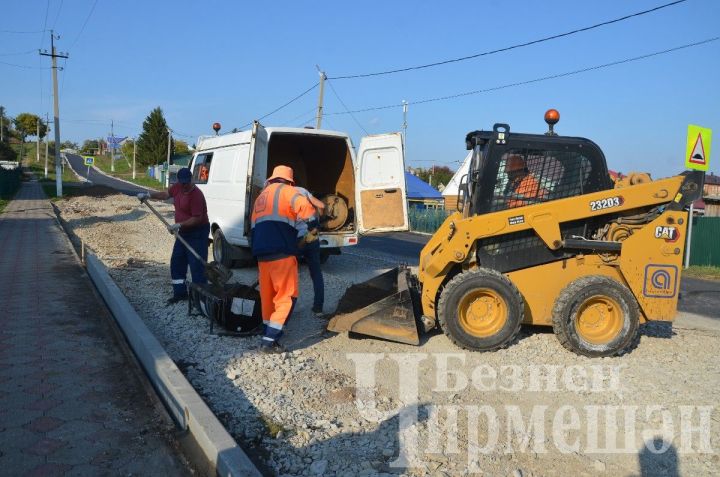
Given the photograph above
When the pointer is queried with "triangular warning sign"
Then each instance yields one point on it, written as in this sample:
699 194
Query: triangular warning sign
697 155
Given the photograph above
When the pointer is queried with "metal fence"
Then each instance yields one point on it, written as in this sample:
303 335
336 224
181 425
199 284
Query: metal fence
9 182
705 246
426 220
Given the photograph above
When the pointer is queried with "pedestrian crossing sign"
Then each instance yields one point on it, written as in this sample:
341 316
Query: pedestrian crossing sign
89 160
697 153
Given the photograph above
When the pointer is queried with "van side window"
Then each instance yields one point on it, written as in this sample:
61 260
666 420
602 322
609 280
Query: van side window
201 169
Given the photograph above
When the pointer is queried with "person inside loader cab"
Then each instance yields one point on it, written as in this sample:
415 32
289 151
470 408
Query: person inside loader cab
276 214
191 222
522 187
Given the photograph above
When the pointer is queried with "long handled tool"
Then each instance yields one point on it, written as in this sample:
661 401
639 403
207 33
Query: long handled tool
216 272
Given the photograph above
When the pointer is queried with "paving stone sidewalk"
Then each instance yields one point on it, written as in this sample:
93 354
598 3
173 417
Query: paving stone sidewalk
70 402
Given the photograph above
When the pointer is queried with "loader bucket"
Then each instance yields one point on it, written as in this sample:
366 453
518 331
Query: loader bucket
384 307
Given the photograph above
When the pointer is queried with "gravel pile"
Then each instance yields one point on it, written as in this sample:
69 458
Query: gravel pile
302 412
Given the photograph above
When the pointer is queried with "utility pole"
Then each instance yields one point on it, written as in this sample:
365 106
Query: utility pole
37 146
323 77
134 155
56 112
404 124
167 167
112 146
47 121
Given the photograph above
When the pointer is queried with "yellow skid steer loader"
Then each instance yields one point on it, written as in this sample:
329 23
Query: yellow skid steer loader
543 236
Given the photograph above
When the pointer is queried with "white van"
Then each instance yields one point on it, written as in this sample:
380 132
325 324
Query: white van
231 170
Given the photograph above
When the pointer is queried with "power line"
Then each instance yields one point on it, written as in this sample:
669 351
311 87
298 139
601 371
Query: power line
346 108
512 47
283 106
25 66
19 53
57 15
535 80
23 32
301 115
92 9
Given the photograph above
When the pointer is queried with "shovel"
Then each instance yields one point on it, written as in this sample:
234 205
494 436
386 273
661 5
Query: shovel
217 274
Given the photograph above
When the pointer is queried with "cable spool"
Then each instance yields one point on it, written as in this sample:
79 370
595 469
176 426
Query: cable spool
336 213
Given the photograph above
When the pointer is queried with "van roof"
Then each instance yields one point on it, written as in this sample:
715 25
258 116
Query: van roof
230 139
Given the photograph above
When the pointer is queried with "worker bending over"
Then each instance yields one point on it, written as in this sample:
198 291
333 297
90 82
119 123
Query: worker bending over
191 222
311 253
276 214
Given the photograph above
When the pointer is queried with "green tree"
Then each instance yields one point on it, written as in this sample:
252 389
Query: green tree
6 122
127 148
152 144
68 145
7 153
26 124
89 145
180 147
435 175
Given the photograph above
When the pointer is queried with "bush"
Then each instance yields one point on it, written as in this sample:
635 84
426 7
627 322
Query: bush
7 153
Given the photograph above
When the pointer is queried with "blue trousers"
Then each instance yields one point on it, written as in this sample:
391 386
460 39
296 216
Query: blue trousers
311 253
181 258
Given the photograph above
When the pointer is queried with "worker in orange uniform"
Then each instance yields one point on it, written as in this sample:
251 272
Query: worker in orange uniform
275 243
522 187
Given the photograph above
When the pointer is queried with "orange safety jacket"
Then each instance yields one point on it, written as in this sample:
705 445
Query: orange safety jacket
529 188
275 213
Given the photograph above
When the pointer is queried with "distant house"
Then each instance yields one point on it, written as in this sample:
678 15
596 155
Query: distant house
450 193
711 195
422 195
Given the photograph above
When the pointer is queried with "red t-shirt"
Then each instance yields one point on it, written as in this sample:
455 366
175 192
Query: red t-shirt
188 204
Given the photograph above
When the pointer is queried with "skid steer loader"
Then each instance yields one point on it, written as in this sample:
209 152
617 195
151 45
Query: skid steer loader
542 236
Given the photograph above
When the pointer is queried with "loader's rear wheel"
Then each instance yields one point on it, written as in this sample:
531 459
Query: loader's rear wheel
481 310
596 316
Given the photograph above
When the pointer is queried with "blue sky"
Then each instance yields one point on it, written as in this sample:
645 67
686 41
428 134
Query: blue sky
235 61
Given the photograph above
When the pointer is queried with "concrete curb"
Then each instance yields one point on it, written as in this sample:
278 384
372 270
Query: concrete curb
182 401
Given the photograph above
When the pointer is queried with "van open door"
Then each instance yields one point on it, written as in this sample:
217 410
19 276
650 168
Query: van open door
380 192
257 170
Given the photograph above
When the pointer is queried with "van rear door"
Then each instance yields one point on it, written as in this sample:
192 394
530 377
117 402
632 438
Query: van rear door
380 192
257 170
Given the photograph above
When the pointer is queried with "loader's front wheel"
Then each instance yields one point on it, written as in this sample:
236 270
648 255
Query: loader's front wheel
596 316
481 310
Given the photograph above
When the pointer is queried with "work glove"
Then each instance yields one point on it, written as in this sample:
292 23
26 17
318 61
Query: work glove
143 196
308 238
174 228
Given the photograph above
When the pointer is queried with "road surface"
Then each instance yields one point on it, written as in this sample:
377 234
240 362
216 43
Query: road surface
700 297
78 165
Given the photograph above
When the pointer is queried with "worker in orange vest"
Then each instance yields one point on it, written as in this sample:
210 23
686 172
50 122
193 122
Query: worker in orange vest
276 213
522 187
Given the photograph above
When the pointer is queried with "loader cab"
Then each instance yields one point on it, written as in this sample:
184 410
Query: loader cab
510 170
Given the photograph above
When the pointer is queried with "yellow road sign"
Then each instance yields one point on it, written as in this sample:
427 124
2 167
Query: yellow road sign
89 160
697 152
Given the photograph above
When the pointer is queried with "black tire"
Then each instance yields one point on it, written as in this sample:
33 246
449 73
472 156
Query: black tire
222 253
611 313
324 255
501 329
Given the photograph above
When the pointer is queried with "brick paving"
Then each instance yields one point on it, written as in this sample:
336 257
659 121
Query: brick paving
70 403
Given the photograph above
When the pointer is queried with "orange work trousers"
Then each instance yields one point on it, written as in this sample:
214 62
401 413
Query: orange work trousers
278 292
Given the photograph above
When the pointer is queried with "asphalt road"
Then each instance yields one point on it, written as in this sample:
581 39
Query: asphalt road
78 165
701 297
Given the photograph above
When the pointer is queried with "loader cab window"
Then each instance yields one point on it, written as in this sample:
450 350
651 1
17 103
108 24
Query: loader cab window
201 168
527 176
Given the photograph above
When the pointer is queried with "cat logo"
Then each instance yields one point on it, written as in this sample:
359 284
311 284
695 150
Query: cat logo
669 234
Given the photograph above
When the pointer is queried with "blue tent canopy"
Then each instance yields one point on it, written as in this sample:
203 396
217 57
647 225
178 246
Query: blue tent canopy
417 189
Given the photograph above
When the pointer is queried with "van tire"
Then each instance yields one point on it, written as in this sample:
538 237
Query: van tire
324 256
222 253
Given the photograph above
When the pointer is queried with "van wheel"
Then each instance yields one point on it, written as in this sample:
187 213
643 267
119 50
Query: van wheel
324 256
596 316
221 249
481 310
